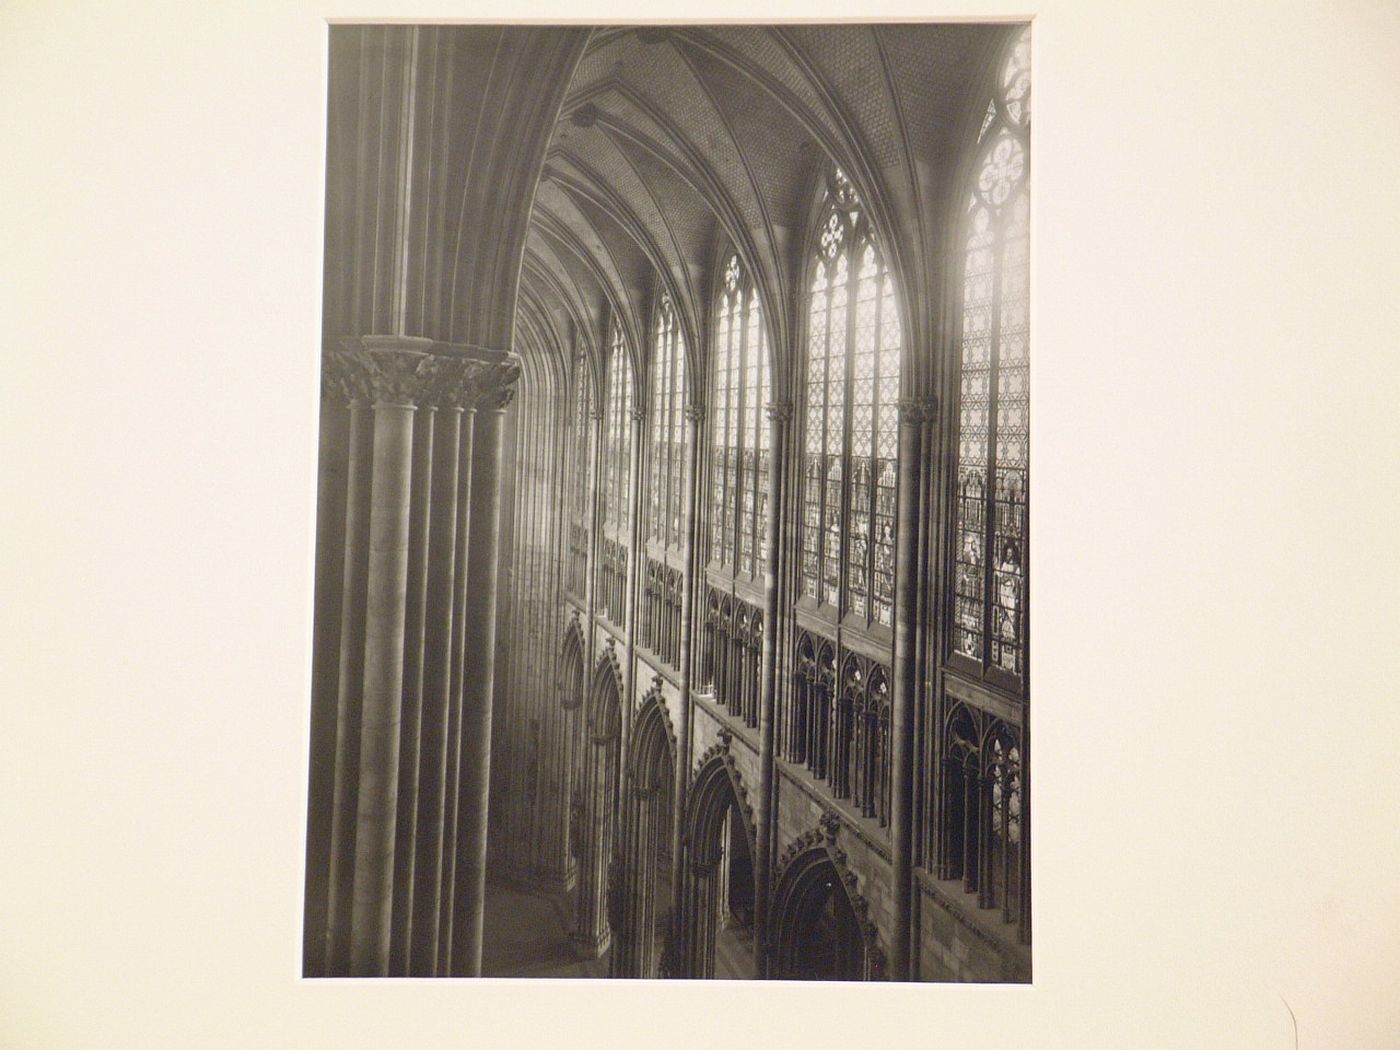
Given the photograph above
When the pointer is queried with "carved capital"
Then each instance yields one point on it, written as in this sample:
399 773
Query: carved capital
493 386
695 414
450 385
639 413
780 411
413 370
337 380
387 373
918 410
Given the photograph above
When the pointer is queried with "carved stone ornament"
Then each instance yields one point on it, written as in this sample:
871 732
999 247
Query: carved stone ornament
918 409
336 383
721 752
453 382
824 837
695 414
780 411
387 376
493 386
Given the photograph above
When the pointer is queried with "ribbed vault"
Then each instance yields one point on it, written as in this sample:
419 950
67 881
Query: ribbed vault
675 145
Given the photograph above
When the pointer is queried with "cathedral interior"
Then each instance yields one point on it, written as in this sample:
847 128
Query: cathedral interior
671 569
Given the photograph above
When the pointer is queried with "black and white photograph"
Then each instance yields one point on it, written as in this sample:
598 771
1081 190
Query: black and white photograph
710 526
671 549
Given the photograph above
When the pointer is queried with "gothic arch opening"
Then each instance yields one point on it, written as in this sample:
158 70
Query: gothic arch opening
592 932
717 905
817 935
644 910
573 694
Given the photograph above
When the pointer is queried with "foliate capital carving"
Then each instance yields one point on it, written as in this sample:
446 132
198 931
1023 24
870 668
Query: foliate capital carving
491 386
451 385
385 375
780 411
695 414
337 382
639 413
412 370
918 409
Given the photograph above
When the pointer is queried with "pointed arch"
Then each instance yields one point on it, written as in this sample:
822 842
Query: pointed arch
742 385
592 929
579 494
719 843
821 924
854 337
988 614
605 698
643 880
666 508
572 679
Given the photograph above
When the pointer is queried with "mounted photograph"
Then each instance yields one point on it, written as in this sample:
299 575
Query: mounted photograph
672 512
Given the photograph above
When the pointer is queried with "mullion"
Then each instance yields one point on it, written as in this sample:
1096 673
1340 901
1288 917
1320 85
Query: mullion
847 418
989 496
664 435
753 365
826 430
673 480
740 435
877 411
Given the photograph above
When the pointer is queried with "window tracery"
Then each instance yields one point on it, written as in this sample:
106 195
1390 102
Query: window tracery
580 509
743 385
977 800
990 526
731 652
851 427
840 728
980 798
667 501
661 603
617 467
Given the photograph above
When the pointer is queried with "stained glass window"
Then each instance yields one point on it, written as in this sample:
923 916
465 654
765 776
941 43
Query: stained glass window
579 505
742 388
850 424
666 501
989 570
618 436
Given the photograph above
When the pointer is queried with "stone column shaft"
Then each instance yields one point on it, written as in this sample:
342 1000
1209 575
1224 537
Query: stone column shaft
453 749
330 570
695 420
478 682
779 415
351 670
414 652
634 577
906 600
383 689
437 680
